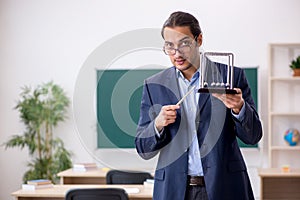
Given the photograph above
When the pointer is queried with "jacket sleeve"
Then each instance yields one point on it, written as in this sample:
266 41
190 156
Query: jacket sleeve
147 142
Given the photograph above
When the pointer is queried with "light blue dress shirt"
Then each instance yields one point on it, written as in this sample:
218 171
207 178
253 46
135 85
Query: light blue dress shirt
190 105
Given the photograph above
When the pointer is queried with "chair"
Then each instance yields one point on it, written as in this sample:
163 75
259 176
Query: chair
127 177
97 194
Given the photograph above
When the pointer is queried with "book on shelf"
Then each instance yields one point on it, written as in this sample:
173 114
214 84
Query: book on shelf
82 167
39 182
35 187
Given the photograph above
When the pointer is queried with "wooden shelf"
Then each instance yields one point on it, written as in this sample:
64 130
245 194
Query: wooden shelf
286 148
285 114
286 45
282 98
274 78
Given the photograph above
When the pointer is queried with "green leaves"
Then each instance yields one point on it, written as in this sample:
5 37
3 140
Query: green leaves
47 102
295 64
26 140
41 109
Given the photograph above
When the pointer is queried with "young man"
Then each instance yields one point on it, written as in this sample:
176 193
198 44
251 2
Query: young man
199 157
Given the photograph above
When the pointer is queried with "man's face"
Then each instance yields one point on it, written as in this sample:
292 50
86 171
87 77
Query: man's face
182 47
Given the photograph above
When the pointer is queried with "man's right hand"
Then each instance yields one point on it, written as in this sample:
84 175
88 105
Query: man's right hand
166 116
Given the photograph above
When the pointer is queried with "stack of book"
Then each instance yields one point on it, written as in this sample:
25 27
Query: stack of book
37 184
83 167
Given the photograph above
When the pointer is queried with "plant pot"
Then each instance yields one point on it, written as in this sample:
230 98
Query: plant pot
296 72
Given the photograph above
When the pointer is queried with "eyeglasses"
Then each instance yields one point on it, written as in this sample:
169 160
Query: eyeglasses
184 47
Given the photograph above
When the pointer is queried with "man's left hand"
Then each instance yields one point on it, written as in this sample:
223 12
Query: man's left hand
232 101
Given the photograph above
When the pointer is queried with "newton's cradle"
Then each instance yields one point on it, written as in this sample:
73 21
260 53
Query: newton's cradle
215 77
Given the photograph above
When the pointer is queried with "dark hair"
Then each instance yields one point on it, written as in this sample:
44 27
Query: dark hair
182 19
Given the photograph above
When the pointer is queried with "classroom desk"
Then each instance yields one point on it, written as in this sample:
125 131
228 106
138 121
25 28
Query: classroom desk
58 192
276 184
89 177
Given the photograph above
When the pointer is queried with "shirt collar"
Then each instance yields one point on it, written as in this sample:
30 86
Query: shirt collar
194 78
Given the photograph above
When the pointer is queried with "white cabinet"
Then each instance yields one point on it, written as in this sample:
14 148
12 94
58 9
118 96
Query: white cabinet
284 105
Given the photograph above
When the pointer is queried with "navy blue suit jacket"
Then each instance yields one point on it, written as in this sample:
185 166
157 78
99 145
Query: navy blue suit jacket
224 169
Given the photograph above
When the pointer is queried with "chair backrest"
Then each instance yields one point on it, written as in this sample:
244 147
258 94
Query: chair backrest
97 194
127 177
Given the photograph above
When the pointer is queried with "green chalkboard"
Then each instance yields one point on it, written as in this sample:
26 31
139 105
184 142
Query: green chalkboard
119 95
251 74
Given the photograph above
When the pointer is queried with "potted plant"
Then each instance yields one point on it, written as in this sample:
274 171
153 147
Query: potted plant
41 109
295 66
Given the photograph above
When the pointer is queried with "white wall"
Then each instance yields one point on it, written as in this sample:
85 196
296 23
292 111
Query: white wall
51 40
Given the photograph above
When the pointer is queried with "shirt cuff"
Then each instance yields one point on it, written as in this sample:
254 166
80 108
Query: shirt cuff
158 133
240 116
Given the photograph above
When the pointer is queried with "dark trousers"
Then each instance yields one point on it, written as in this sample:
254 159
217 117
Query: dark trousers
195 193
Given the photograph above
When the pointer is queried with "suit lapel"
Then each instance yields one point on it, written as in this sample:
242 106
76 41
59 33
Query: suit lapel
171 83
202 100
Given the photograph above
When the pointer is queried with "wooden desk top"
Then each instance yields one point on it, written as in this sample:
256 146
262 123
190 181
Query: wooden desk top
59 191
92 173
100 172
277 172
